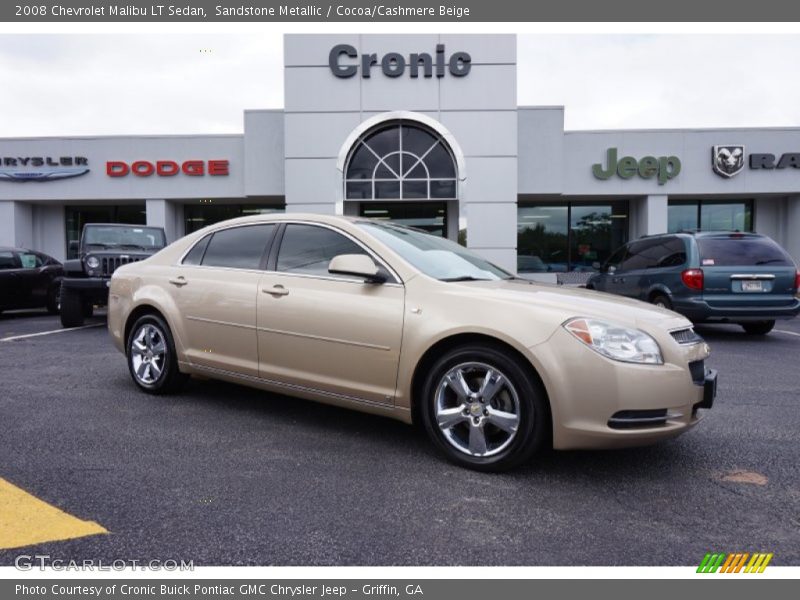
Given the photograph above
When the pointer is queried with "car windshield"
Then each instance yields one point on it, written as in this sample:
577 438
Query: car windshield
741 251
142 238
433 255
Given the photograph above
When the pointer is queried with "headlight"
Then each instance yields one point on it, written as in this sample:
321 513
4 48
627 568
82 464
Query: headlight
616 342
92 262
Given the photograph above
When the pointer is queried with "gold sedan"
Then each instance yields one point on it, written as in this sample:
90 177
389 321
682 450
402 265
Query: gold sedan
393 321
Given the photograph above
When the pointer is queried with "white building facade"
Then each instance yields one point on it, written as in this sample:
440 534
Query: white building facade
425 130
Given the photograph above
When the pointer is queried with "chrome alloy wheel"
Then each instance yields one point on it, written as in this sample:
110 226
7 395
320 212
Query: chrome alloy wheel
148 354
477 409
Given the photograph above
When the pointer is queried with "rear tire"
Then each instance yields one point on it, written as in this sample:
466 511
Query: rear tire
152 360
72 309
758 327
498 422
53 299
661 301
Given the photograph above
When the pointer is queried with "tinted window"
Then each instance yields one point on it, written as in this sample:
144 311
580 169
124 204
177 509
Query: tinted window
672 253
741 251
640 256
30 260
309 249
238 247
616 258
7 260
195 255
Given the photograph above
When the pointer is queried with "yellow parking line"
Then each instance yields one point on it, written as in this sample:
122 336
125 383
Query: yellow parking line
26 520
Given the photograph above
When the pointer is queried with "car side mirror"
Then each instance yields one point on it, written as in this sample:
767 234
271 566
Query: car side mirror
356 265
611 269
597 266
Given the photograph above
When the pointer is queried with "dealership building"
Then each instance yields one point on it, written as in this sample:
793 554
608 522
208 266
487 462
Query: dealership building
424 130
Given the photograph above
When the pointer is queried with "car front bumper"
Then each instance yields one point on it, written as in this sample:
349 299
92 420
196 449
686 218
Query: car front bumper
590 399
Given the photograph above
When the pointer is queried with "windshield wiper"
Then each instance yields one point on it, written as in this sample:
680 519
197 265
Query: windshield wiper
101 244
139 246
769 260
464 278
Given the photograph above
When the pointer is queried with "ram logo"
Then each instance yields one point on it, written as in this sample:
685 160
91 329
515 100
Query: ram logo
727 160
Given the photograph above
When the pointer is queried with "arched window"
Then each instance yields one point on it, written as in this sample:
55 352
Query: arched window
400 160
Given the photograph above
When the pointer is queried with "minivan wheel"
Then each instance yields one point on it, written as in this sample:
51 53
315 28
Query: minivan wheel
661 301
758 327
483 410
152 360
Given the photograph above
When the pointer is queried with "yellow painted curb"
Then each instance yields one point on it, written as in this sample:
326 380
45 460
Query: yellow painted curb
25 520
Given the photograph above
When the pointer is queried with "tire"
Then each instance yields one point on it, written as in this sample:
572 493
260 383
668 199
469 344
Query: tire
72 307
662 301
152 360
88 310
53 299
474 420
758 327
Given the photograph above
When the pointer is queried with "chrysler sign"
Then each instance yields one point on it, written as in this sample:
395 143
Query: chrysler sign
42 168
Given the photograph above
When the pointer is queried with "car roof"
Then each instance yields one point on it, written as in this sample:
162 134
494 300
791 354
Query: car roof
120 225
696 233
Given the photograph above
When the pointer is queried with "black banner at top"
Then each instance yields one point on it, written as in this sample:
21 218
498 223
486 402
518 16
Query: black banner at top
193 11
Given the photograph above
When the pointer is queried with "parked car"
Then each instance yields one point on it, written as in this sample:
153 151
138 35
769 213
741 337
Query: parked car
29 279
103 247
711 276
389 320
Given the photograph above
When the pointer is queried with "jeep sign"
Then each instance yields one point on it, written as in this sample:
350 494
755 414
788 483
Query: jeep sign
662 168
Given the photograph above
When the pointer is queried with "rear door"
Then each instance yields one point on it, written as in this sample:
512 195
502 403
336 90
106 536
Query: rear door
745 270
9 279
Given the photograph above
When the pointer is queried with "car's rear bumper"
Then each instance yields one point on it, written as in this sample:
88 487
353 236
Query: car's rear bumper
699 310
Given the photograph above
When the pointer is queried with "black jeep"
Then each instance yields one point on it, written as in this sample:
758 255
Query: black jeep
103 248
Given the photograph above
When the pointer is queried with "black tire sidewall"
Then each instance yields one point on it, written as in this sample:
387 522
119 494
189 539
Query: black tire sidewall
665 300
71 309
758 327
166 382
532 431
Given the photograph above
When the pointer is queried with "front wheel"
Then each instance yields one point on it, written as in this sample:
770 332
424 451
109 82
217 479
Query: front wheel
483 409
758 327
53 299
152 360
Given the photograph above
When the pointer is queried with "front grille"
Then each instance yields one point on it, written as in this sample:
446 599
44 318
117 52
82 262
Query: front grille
112 263
686 336
698 370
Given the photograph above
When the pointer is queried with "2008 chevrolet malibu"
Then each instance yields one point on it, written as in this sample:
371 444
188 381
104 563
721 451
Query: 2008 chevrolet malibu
390 320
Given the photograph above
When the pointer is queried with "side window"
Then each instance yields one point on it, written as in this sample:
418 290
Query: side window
616 259
195 255
238 247
309 249
640 256
8 260
673 253
30 260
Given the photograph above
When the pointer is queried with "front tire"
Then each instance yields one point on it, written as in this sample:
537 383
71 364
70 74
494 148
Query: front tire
758 327
53 299
152 361
483 410
72 308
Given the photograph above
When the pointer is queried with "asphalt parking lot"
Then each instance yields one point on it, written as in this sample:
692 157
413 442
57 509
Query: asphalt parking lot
222 474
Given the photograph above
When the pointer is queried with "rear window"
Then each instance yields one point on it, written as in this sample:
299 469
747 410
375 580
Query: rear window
741 251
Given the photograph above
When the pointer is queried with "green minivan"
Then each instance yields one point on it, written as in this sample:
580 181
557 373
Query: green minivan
708 276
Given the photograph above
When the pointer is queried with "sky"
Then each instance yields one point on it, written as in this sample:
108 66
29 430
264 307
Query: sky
61 85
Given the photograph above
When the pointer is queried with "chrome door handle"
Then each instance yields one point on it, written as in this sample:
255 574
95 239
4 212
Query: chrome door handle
179 281
276 290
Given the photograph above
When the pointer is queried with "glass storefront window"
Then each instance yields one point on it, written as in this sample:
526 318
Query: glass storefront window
554 238
710 215
197 216
76 217
428 216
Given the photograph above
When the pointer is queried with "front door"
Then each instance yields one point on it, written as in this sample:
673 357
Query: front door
330 333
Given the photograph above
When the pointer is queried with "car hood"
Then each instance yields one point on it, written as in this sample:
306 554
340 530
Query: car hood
578 302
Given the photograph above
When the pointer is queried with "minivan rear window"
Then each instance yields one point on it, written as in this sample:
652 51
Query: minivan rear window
743 251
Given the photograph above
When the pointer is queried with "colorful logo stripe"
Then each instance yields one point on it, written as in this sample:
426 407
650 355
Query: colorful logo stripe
734 562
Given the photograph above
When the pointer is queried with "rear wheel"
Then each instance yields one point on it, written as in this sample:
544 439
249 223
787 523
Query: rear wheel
483 410
72 308
661 301
152 360
758 327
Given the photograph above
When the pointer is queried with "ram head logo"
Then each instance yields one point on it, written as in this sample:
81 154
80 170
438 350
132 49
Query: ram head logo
727 160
